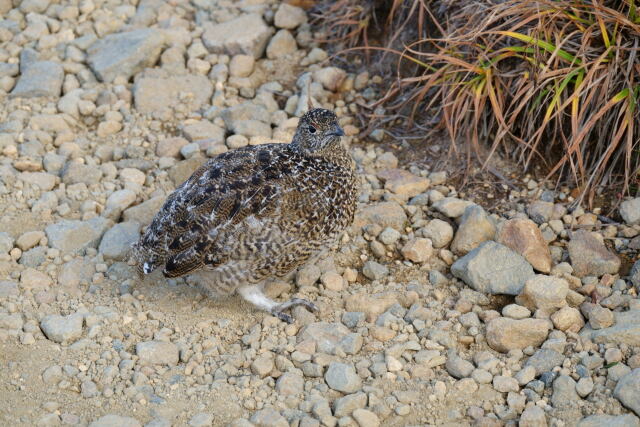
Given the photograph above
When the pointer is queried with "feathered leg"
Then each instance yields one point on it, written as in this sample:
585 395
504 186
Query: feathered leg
255 295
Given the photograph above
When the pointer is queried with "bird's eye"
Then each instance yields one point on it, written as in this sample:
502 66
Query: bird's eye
312 129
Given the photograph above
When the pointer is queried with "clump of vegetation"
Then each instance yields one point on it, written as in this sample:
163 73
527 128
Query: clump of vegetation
551 82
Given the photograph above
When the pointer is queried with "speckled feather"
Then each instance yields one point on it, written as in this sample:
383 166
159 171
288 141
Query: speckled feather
256 212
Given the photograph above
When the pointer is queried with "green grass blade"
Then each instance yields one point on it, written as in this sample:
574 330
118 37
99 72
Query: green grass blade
559 91
549 47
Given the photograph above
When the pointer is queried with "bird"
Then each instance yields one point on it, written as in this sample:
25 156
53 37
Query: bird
256 213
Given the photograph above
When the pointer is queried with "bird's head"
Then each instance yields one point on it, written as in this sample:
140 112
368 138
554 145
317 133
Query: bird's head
317 130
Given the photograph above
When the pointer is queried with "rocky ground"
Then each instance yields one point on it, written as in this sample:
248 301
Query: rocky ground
432 310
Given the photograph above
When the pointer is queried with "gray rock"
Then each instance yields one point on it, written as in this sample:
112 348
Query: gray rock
40 78
157 353
247 34
281 44
6 242
289 384
75 173
564 392
145 211
11 321
352 319
584 386
327 336
89 389
452 207
374 270
590 257
73 235
8 288
115 421
625 331
236 116
125 54
625 420
634 274
269 417
116 242
493 268
630 211
544 360
62 329
458 367
475 227
159 92
345 406
158 422
385 214
342 377
626 391
546 293
505 384
540 211
34 257
533 416
505 334
202 419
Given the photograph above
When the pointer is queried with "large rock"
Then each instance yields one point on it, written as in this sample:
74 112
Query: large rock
627 391
62 329
590 257
493 268
116 242
524 237
145 211
40 78
125 54
157 93
74 235
475 228
505 334
452 206
626 330
547 293
630 211
385 214
289 17
564 392
247 34
343 378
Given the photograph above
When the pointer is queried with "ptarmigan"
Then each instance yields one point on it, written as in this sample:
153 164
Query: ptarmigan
256 213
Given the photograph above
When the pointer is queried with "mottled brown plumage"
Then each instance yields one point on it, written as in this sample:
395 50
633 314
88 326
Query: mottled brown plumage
256 213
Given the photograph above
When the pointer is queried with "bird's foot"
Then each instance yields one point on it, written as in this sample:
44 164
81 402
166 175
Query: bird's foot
278 310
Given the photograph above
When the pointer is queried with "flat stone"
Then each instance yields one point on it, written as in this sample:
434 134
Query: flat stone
505 334
268 417
625 420
452 206
181 171
533 416
204 129
544 360
40 78
440 232
524 237
505 384
493 268
371 305
625 331
630 211
125 54
62 329
342 377
590 257
11 321
29 239
345 406
247 34
330 78
8 288
475 228
374 270
417 250
403 183
75 173
34 280
327 336
157 353
366 418
458 367
540 211
201 419
73 235
385 214
158 94
115 421
170 147
546 293
564 392
6 242
290 384
116 242
145 211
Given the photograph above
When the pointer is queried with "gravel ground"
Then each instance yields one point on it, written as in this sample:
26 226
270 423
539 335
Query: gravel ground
432 310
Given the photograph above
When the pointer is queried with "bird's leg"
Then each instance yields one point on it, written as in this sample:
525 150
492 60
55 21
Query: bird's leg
254 294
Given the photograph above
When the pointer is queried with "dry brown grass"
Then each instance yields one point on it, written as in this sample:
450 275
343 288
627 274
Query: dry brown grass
555 83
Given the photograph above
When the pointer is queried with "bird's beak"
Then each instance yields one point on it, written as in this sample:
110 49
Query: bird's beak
337 131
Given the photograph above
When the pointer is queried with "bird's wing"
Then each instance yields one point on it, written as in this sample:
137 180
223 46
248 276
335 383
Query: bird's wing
218 203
